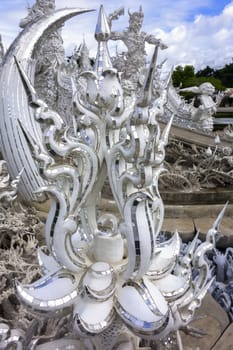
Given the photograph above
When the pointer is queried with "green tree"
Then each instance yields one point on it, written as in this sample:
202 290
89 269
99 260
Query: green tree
206 72
181 75
185 77
225 74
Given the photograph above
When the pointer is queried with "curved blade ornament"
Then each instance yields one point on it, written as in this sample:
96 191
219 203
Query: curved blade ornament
151 317
165 258
60 227
52 293
139 234
13 144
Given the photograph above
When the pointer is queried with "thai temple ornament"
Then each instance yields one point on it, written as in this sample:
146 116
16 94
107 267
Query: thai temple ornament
106 271
39 9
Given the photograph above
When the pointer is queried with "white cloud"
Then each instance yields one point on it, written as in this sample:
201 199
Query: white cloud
228 11
205 41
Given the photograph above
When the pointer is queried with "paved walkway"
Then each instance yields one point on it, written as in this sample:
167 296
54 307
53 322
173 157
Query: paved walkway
213 321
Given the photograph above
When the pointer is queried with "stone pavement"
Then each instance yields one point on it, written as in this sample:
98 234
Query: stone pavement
226 340
212 320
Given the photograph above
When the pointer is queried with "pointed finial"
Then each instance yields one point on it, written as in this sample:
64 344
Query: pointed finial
166 131
169 78
102 30
28 135
220 217
191 248
29 88
102 35
146 93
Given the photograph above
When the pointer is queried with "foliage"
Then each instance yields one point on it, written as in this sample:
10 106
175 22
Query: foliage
182 74
225 74
206 72
185 77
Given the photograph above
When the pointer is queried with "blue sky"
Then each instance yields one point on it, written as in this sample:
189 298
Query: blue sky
197 32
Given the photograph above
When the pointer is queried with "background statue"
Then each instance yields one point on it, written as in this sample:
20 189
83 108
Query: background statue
207 108
49 54
134 39
39 9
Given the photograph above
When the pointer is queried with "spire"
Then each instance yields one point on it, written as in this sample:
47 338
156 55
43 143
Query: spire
84 47
146 93
102 35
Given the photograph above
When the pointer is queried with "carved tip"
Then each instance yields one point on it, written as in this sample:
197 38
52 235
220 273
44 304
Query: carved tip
192 245
102 31
146 92
21 171
220 217
28 87
206 288
166 131
28 136
168 79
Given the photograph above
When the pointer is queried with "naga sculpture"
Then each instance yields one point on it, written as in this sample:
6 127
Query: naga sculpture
105 270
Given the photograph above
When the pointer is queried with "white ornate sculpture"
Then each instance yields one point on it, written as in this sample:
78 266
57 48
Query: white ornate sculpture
107 270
